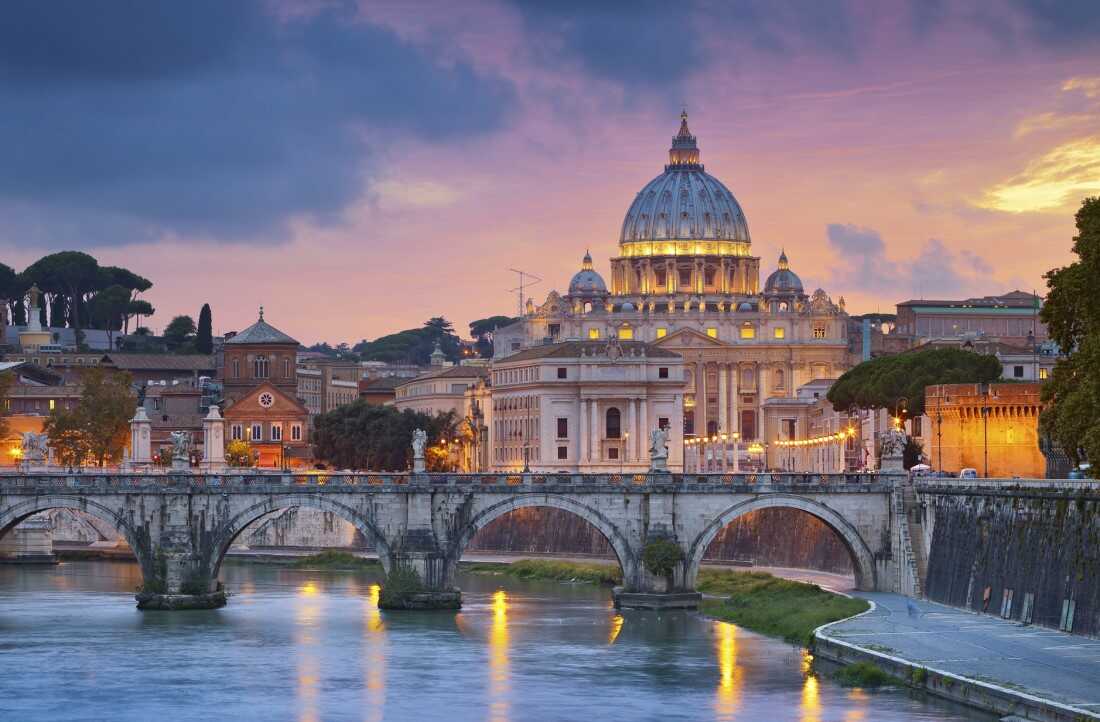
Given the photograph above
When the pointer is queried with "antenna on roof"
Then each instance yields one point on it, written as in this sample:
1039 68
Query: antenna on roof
525 279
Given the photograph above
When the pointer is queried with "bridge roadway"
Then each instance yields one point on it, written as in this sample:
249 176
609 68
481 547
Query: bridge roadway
181 525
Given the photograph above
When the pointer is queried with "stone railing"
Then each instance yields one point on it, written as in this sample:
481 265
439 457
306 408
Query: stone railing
91 480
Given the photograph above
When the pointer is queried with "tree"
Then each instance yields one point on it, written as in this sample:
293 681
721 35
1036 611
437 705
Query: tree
109 308
179 331
99 425
132 282
482 330
204 338
1072 315
72 272
238 453
361 435
414 345
883 382
138 308
6 380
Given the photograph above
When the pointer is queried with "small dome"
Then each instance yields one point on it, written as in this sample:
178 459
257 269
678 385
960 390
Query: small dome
745 306
783 280
586 282
627 307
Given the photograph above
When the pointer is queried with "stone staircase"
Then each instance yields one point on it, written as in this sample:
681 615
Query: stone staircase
908 566
914 525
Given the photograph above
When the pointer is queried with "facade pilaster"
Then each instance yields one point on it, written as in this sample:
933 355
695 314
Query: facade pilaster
723 398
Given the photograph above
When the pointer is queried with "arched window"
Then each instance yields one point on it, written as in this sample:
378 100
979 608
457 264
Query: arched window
780 378
260 367
236 368
286 368
614 423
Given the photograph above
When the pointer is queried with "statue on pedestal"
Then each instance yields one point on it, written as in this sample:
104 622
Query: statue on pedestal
33 448
658 450
419 442
893 451
181 450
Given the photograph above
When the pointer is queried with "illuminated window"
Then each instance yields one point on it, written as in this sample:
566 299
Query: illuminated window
296 432
662 332
593 333
712 332
748 331
236 432
257 433
819 332
626 333
1044 374
780 332
53 404
276 432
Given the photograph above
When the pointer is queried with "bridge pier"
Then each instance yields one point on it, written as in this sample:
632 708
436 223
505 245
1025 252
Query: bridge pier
650 590
181 577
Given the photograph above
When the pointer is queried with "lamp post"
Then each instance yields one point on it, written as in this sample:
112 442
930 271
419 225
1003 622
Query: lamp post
736 452
622 450
725 450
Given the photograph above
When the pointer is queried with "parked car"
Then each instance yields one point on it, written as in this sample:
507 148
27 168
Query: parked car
968 474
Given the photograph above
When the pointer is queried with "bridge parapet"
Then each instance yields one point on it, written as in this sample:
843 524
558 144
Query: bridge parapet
411 483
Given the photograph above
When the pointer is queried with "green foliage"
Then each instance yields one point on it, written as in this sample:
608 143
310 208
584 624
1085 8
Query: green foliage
882 382
552 570
109 308
70 272
333 559
661 556
238 453
179 331
6 380
773 606
865 674
399 584
913 453
361 435
1072 315
204 335
482 329
412 345
98 428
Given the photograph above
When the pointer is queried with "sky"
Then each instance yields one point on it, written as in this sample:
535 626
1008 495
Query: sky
357 168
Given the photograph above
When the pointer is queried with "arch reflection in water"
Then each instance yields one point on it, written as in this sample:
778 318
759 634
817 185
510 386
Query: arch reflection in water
499 671
307 615
729 674
811 703
374 638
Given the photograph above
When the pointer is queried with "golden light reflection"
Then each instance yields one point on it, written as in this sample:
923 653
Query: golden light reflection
374 642
309 666
811 703
309 589
729 674
499 671
616 627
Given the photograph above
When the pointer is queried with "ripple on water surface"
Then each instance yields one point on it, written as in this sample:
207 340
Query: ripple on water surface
308 646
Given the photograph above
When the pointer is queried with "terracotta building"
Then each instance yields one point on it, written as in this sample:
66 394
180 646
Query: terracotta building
992 428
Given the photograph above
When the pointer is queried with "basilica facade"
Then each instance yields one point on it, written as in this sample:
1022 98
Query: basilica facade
684 280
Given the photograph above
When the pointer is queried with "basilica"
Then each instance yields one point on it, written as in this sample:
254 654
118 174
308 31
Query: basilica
684 298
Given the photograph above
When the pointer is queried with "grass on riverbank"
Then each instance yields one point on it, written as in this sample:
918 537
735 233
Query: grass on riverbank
773 606
549 569
867 675
336 560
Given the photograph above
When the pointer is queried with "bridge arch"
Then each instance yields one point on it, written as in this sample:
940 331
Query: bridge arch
138 540
863 562
231 529
627 558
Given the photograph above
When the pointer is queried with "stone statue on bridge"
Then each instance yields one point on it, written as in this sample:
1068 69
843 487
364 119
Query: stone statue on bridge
893 450
658 450
33 447
419 443
181 449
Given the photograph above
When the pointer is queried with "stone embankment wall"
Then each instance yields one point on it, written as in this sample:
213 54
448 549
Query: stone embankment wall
1017 550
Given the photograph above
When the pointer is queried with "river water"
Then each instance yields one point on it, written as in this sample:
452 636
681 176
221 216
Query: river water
307 646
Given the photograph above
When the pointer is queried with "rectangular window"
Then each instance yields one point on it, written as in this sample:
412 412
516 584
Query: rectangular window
593 333
236 368
748 331
819 332
626 333
712 332
662 422
1017 372
515 345
563 452
613 453
1044 374
555 330
562 372
286 368
780 332
276 432
662 332
662 372
53 404
563 428
257 433
236 432
156 404
296 432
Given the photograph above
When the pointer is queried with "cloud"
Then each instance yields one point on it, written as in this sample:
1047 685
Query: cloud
935 270
1062 175
129 121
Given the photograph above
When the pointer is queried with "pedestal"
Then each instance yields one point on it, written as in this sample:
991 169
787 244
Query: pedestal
418 466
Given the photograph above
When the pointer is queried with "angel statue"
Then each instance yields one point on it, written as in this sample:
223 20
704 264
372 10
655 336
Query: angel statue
33 446
658 449
181 445
420 441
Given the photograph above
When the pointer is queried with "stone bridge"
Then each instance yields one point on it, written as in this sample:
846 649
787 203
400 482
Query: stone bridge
181 525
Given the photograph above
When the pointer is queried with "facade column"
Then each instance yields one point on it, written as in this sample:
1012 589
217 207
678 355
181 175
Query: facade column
735 416
701 399
723 398
631 418
582 429
594 431
643 430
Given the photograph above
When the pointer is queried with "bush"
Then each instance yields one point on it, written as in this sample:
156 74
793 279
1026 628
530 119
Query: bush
399 584
553 570
333 559
865 674
661 556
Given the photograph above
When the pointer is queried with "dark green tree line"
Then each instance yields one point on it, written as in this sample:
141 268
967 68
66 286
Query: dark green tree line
366 436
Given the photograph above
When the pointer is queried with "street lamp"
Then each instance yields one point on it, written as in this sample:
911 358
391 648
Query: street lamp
622 450
736 452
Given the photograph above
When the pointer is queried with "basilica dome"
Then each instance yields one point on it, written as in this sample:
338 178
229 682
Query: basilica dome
586 282
685 204
783 280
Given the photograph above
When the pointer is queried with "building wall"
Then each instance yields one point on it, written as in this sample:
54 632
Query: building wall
961 434
240 368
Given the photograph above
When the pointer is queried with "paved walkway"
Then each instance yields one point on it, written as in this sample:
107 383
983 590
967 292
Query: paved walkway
1050 664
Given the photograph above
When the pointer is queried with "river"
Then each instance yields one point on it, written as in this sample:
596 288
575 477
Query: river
312 646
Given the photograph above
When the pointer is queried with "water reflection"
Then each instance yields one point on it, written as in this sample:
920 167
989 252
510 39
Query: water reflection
616 627
375 655
811 703
499 671
307 613
729 674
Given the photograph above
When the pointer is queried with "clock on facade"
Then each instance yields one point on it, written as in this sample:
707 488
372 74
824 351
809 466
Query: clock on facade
266 400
